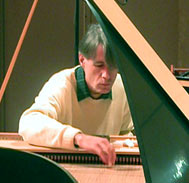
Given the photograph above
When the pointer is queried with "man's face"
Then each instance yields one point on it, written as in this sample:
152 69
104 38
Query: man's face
98 75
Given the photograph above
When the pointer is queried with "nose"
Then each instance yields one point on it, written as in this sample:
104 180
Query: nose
106 73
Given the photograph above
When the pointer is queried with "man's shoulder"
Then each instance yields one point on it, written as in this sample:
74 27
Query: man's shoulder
63 78
118 81
65 74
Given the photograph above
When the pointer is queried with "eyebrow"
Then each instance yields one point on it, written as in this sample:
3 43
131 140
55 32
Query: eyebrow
99 63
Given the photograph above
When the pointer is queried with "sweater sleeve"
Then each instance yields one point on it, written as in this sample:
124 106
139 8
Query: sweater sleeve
40 124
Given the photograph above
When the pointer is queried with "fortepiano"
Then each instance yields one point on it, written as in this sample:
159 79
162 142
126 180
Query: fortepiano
86 167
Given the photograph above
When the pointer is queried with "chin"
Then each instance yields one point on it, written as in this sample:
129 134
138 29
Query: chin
104 91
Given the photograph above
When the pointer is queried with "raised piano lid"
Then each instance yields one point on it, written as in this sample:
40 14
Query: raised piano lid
158 103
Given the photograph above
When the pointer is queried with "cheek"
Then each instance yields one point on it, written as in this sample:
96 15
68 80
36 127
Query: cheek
113 75
91 77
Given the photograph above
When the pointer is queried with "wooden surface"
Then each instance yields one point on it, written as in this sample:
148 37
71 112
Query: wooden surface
179 71
184 83
103 174
15 141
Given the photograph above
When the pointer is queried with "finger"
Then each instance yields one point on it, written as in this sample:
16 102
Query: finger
110 151
104 156
107 153
112 156
103 153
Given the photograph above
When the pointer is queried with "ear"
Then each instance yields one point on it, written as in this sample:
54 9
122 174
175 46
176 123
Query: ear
81 60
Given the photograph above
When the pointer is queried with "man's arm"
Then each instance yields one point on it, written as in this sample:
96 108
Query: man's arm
44 123
39 129
97 145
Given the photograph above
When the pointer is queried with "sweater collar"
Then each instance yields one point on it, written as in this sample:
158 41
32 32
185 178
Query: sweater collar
82 88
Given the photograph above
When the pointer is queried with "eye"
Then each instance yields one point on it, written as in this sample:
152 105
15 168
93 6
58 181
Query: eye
99 65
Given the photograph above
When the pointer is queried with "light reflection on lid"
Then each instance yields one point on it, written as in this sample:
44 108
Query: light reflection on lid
181 166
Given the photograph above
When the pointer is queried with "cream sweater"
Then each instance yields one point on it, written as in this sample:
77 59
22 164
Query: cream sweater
57 116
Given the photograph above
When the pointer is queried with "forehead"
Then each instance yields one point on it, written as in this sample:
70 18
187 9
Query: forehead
100 54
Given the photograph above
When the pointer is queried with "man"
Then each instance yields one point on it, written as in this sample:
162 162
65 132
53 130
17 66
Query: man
80 102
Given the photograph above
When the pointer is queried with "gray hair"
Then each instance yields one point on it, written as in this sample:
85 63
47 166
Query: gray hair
94 37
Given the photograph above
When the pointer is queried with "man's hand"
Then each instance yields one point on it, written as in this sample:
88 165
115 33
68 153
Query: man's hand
97 145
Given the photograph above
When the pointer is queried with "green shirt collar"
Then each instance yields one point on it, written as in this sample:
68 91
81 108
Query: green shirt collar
82 88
